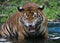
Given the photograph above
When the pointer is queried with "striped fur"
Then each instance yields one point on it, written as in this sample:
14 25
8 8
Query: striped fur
19 24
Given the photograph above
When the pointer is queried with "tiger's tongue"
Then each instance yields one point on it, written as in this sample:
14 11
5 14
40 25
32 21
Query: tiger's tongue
31 29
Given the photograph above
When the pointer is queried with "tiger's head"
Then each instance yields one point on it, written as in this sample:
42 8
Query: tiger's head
32 17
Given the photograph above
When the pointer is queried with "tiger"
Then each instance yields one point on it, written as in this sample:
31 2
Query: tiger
28 21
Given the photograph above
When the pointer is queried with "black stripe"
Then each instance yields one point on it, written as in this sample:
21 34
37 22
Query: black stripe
8 31
5 34
42 32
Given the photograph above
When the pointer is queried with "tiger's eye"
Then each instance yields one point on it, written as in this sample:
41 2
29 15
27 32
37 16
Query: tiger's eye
39 15
35 14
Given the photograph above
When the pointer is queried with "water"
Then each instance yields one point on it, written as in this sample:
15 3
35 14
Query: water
53 37
54 34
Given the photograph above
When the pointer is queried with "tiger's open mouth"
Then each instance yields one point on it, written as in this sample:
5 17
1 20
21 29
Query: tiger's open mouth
32 29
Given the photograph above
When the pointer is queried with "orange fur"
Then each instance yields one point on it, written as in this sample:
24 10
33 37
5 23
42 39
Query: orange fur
14 24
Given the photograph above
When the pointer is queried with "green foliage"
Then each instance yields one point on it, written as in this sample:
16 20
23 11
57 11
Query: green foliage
2 20
2 0
52 8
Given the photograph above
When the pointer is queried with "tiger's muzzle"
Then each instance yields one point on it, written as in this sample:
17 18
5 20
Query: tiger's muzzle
33 26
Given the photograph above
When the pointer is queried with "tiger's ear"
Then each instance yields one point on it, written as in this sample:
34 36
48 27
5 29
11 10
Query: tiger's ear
41 7
20 9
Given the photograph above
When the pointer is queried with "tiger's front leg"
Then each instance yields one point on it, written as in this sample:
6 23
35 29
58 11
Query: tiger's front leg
20 36
8 32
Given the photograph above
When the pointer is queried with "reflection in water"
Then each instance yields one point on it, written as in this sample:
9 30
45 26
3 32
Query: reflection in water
30 41
50 40
24 41
35 41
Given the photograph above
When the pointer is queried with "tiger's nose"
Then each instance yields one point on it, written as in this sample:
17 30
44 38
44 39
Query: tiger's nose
30 25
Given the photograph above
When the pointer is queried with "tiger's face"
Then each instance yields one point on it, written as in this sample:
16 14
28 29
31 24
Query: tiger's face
32 17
